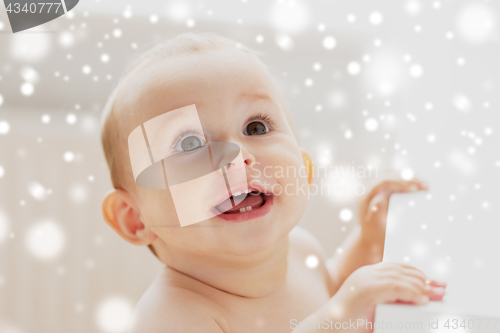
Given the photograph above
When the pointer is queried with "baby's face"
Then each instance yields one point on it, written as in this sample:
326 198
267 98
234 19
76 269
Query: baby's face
236 102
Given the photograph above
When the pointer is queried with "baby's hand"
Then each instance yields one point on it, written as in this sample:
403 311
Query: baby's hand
382 283
373 209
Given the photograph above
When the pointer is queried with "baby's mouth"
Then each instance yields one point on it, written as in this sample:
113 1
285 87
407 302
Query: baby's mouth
253 200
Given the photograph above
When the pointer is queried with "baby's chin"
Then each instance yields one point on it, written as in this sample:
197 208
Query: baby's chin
250 238
235 239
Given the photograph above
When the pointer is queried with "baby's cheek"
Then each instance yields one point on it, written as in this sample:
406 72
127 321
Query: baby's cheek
157 208
294 186
296 195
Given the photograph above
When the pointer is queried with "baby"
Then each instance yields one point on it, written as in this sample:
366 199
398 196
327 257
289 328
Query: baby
242 271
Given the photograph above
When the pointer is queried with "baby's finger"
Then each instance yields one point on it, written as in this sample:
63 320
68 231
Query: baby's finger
417 283
403 291
435 293
413 185
435 283
412 276
393 186
407 269
435 289
414 272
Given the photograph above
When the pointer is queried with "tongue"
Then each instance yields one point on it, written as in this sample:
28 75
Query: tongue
252 200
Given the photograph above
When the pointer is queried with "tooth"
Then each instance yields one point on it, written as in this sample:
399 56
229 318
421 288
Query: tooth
242 210
249 208
247 191
235 194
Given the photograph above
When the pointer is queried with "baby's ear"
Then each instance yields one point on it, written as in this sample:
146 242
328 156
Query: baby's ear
309 166
121 213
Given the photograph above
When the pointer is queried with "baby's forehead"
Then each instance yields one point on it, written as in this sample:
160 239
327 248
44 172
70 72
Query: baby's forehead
169 83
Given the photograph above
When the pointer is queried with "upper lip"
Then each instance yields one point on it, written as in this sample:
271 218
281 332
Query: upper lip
241 188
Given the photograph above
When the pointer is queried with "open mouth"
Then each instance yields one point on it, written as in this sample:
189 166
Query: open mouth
251 204
251 200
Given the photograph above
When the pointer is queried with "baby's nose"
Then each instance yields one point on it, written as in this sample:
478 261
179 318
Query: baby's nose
223 153
248 158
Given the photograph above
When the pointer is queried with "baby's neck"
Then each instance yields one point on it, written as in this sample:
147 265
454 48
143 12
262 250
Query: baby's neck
254 276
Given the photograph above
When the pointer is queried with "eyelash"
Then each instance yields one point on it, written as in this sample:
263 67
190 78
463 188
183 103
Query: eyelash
265 118
184 134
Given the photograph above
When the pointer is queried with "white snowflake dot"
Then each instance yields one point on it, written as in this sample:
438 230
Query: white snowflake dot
127 13
105 57
346 215
462 102
348 134
284 41
407 173
71 119
69 156
153 18
413 7
45 240
37 191
117 33
312 261
86 69
354 68
27 88
4 127
376 18
329 42
45 119
371 124
416 70
114 315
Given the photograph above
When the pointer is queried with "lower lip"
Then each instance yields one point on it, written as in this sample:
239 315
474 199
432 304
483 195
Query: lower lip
254 213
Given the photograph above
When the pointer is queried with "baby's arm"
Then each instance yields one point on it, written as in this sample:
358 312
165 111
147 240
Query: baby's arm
365 244
368 286
354 253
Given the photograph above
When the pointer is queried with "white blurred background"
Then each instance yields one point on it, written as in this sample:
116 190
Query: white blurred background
409 88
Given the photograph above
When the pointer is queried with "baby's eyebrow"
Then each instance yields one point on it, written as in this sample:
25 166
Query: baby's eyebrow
250 97
253 96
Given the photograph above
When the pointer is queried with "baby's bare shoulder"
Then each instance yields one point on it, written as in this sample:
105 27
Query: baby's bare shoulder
308 254
305 244
167 306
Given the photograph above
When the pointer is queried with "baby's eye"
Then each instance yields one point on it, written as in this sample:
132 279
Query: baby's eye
190 143
256 128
